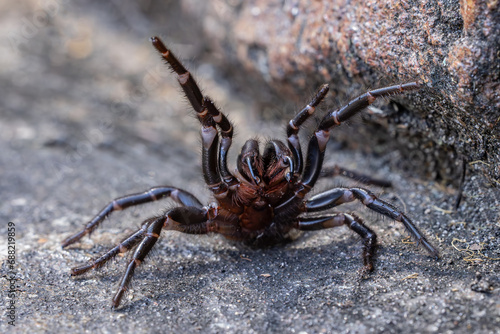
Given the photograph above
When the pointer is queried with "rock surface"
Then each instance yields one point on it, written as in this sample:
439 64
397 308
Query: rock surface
450 47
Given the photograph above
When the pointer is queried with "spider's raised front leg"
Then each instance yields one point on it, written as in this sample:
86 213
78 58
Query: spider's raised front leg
209 116
191 220
340 195
350 220
154 194
318 142
293 127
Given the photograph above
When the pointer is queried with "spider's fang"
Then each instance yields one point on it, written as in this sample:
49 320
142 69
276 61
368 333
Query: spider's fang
249 164
289 175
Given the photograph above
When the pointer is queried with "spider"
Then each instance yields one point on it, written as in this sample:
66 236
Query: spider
266 198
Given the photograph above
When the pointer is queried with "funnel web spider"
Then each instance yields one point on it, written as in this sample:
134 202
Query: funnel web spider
267 197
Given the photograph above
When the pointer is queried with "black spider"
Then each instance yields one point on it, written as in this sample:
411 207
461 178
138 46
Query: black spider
267 198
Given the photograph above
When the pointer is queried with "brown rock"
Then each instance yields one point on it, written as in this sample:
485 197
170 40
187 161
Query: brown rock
451 47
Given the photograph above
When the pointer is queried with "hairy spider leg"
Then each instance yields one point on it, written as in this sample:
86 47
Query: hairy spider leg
124 246
293 127
336 196
191 220
318 142
154 194
350 220
292 131
332 171
208 115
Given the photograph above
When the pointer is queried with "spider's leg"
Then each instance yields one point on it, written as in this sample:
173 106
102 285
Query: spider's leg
216 166
293 127
340 195
353 222
124 246
188 84
210 141
332 171
190 220
208 115
317 143
154 194
226 131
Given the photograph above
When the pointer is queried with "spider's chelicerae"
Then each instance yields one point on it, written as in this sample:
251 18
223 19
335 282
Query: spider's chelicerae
266 198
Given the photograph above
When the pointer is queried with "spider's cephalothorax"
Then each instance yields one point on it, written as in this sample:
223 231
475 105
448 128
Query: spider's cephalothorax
267 197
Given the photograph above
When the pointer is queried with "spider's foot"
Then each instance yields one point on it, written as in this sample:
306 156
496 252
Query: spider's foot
432 251
364 272
82 269
74 238
115 303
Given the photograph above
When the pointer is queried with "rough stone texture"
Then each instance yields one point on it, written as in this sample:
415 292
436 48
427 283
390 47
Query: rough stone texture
451 47
89 113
